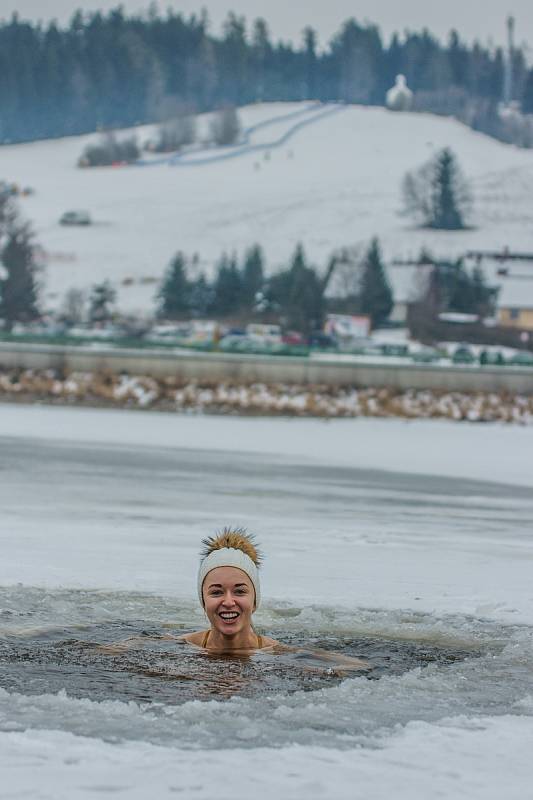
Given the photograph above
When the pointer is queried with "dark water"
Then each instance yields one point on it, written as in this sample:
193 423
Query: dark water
154 669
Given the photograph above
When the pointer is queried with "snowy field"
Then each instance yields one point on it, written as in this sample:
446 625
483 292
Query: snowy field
334 183
414 532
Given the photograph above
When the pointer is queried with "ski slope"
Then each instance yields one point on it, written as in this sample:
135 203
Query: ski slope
332 182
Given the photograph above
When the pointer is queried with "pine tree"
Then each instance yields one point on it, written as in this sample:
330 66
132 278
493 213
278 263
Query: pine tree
201 296
298 294
228 288
375 295
102 298
310 46
447 214
260 55
527 97
252 275
174 296
464 292
437 194
18 289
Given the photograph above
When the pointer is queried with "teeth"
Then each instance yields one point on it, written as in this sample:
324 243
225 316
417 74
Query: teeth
229 615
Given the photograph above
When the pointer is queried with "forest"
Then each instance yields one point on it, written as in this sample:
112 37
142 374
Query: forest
106 71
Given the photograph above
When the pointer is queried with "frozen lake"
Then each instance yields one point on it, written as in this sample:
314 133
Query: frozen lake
398 542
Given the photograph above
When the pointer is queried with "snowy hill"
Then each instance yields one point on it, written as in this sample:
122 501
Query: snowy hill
328 177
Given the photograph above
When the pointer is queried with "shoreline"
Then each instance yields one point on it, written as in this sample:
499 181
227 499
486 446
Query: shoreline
108 390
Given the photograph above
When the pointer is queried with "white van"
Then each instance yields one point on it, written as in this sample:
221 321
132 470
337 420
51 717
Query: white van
265 334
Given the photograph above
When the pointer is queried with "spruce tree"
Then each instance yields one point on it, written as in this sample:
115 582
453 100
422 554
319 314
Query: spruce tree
447 214
437 193
228 297
252 275
174 296
375 297
18 289
201 296
464 292
527 97
298 294
100 302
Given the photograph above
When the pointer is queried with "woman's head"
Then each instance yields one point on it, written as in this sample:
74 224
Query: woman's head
229 600
229 572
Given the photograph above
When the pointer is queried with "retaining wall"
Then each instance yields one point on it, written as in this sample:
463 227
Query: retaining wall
336 371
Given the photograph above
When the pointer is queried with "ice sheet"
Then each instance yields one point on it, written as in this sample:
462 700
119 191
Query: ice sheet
459 759
415 529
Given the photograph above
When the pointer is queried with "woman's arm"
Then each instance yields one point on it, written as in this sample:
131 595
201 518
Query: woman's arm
116 648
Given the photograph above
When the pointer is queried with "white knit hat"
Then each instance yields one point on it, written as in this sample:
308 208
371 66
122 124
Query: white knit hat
219 554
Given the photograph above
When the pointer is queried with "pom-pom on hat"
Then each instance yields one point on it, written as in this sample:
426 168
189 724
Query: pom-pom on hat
232 547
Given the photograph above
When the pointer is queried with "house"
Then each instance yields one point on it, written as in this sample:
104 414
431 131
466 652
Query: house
517 315
513 274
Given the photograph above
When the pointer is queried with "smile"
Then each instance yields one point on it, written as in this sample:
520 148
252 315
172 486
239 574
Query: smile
228 616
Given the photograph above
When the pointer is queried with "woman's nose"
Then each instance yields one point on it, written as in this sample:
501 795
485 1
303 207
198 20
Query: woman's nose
228 600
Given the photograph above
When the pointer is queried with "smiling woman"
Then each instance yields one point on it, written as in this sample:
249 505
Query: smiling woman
229 590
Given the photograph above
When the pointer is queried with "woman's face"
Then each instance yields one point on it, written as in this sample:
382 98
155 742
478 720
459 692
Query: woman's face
229 600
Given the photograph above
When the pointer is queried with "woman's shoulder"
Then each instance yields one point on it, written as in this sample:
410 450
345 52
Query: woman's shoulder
196 638
266 641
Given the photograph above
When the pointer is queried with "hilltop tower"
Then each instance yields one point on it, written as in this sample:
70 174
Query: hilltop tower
400 97
508 65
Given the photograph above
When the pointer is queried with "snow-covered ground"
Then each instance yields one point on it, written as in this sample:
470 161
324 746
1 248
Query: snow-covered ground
335 183
414 531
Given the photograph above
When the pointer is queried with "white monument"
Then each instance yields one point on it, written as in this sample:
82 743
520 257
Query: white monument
400 97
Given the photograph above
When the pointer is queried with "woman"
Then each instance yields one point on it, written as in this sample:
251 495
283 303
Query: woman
229 591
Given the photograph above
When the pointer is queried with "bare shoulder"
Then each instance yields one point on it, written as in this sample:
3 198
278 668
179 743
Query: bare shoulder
195 638
266 641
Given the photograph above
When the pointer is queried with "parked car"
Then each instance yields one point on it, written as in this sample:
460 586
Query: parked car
426 355
463 355
395 349
491 358
293 338
75 218
322 341
522 359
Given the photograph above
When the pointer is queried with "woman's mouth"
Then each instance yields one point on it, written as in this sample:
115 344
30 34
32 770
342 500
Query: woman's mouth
228 616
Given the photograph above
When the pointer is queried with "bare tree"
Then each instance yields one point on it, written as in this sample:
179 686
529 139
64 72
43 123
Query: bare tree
73 310
225 126
176 133
110 150
103 297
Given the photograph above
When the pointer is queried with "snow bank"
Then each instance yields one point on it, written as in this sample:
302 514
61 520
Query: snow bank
457 759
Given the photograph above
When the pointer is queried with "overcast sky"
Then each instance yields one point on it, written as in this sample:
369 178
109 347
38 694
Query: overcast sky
482 19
